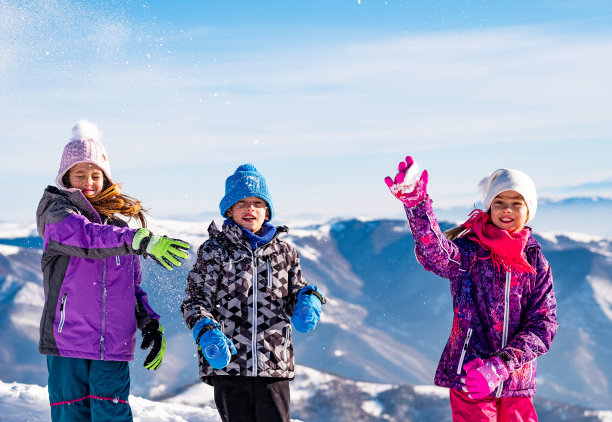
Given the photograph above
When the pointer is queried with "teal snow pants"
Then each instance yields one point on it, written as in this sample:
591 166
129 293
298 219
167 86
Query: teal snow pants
88 390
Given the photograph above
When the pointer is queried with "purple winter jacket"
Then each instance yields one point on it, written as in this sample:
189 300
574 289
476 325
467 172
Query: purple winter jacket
511 315
91 277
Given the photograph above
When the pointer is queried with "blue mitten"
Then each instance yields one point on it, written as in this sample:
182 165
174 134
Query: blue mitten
215 346
307 310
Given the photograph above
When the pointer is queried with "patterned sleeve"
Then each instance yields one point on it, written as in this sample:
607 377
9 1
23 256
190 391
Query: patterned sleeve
432 249
296 281
202 285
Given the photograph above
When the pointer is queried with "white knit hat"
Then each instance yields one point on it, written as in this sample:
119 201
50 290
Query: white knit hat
502 180
84 147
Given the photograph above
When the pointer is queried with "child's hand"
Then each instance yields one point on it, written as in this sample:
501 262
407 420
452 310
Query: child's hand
482 377
215 346
307 310
407 186
164 250
153 337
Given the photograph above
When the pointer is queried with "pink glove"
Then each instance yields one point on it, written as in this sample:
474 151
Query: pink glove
406 187
482 377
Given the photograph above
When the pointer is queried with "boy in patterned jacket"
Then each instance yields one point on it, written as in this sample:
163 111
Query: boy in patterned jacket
244 291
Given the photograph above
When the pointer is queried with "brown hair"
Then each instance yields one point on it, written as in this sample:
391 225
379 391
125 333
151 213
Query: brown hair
452 234
111 201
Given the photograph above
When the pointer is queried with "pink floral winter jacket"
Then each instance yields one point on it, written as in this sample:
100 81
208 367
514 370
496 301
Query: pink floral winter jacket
512 315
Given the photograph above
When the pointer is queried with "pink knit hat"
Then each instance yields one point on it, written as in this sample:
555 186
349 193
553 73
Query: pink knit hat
84 147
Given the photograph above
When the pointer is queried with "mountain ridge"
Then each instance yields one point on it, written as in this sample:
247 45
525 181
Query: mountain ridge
387 319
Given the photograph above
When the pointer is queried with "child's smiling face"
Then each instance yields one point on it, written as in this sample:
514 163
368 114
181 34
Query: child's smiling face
249 213
509 211
87 177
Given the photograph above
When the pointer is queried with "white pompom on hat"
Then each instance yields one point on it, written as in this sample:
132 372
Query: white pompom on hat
502 180
84 147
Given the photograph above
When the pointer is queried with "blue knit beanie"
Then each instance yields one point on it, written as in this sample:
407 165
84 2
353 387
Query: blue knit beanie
244 183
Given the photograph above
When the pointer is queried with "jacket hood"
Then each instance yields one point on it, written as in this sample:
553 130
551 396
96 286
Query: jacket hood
54 197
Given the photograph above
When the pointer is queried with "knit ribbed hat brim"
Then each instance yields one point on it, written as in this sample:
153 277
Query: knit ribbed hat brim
244 183
502 180
84 147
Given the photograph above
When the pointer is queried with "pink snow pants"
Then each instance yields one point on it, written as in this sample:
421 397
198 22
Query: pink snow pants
491 409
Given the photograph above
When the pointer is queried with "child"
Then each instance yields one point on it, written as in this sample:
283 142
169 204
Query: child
93 300
243 290
502 288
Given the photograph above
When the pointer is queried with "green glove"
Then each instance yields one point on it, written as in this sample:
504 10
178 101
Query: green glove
162 249
153 337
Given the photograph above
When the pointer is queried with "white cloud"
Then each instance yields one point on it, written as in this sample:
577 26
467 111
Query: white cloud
200 98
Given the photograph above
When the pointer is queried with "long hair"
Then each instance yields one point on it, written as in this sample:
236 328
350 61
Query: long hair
452 234
111 201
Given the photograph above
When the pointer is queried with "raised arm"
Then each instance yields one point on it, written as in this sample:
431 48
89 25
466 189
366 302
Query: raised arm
432 249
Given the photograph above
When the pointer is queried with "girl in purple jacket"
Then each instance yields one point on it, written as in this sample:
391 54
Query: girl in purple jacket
91 275
503 298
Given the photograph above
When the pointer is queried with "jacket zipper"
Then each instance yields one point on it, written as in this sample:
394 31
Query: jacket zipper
269 273
103 309
465 346
62 314
254 316
287 340
506 321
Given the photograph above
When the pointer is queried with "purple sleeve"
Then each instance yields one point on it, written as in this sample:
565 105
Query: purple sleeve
75 235
540 324
432 249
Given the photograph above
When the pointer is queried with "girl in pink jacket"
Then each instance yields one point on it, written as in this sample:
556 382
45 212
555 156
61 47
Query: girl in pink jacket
503 298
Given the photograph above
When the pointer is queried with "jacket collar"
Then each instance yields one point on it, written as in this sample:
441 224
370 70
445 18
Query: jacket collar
234 234
76 198
531 241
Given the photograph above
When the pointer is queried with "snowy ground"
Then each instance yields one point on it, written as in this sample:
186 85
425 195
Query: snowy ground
24 403
30 403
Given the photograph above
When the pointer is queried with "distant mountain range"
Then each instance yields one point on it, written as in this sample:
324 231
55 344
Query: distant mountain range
577 214
386 322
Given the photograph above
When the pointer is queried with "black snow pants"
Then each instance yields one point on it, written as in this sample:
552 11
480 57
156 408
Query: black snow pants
252 399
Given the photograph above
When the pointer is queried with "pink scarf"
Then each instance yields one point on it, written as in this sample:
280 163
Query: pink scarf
507 249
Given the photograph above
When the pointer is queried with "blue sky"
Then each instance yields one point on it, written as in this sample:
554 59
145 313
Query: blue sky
324 97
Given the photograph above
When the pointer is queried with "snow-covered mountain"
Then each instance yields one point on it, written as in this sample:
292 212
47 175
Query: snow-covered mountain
386 322
316 397
322 396
558 214
397 316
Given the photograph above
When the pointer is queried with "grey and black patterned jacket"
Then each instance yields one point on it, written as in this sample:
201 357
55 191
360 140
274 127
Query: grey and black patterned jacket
235 286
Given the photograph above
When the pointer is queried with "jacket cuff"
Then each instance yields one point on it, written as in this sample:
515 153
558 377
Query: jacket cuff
313 290
202 326
137 240
505 356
